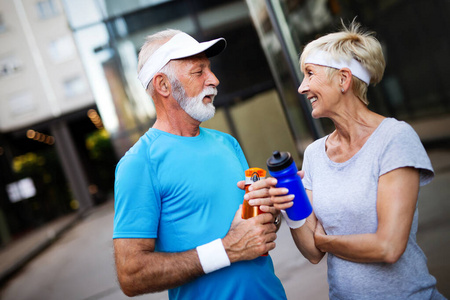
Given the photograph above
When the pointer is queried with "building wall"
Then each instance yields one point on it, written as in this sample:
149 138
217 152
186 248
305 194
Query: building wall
44 91
46 78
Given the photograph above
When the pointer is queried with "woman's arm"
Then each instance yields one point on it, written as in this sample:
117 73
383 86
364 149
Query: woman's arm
265 193
304 237
396 203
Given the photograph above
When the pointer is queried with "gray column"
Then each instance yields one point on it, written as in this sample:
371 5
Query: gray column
72 166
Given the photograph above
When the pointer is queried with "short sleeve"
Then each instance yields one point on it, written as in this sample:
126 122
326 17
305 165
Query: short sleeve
306 166
240 155
404 149
137 204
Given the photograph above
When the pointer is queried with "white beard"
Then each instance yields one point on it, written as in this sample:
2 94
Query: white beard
194 106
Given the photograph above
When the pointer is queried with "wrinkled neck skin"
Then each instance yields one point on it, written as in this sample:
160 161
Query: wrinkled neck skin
354 124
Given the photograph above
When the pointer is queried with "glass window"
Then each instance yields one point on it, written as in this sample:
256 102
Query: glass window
62 49
82 12
47 9
280 52
119 7
20 190
93 47
75 86
9 65
406 29
21 104
2 23
243 69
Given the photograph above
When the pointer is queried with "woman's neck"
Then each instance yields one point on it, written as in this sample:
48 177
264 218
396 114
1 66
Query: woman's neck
351 133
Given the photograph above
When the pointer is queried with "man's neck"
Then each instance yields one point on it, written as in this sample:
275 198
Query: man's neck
171 118
188 129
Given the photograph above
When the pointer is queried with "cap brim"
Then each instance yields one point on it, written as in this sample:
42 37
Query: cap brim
216 48
210 48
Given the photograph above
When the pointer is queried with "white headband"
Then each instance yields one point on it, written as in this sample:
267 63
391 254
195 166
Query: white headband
180 45
324 58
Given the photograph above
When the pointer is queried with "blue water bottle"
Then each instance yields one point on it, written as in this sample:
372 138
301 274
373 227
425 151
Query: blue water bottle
282 166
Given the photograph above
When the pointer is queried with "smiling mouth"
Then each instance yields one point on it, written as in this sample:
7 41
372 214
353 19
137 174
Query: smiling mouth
312 100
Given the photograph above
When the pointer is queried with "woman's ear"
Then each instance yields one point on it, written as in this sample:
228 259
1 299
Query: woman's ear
345 79
161 84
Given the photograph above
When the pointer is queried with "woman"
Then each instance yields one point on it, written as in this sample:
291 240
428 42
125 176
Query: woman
363 179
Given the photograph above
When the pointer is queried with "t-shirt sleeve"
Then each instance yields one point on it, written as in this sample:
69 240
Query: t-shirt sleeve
137 204
404 149
240 155
307 179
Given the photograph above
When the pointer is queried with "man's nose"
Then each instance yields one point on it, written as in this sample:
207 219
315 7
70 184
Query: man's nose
212 79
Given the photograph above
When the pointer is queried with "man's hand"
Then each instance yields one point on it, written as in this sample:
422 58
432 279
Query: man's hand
141 270
249 239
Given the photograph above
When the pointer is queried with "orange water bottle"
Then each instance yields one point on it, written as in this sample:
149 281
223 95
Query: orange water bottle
248 211
251 175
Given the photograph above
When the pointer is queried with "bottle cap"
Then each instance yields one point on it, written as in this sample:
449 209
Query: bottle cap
279 161
254 174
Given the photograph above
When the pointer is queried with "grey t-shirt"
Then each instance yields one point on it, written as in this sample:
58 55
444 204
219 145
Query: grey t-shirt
344 201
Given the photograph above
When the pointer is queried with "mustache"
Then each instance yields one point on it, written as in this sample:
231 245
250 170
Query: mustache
209 91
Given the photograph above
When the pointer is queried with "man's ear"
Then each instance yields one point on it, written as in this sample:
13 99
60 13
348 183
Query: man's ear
161 84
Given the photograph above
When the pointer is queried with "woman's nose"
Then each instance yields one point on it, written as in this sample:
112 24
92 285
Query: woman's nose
304 87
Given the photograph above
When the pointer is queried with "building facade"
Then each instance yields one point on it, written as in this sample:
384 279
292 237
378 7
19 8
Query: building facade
45 96
259 74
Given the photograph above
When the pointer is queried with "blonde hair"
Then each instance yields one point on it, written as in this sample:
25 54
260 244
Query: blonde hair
351 42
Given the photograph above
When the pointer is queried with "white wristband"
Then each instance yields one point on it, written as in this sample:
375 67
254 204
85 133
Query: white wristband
213 256
292 223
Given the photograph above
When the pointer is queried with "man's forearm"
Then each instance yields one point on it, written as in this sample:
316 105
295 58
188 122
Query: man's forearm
149 272
142 270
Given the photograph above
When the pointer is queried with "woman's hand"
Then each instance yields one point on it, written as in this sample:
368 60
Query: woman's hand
267 196
259 195
319 236
280 197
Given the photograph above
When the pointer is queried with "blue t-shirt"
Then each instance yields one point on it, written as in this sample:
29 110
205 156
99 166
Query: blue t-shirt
182 192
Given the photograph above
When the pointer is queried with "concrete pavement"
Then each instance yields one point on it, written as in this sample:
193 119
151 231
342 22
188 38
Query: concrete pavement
78 264
19 252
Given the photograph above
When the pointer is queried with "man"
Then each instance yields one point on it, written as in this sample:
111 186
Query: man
177 221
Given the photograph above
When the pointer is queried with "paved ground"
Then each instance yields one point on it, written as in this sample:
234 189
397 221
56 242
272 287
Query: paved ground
79 263
434 220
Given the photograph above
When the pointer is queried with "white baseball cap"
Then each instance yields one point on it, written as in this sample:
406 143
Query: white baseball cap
179 46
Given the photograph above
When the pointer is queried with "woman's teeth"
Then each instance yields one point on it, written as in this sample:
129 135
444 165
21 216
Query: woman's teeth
313 99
